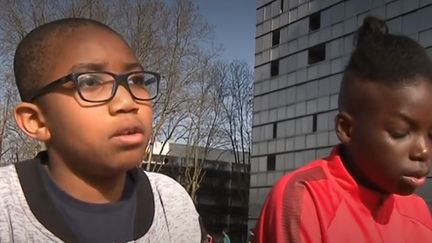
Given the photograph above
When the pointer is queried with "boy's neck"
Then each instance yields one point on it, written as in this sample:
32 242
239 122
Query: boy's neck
356 173
84 187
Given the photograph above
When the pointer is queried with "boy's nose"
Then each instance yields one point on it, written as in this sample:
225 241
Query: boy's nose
122 102
421 151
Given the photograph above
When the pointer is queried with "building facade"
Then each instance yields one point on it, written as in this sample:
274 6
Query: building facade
222 197
302 47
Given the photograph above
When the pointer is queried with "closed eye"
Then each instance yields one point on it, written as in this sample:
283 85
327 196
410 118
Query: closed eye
398 134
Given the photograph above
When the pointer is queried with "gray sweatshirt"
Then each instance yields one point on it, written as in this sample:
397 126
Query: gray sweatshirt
28 215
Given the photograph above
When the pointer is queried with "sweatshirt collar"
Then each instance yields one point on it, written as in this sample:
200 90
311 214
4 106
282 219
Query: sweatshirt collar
43 208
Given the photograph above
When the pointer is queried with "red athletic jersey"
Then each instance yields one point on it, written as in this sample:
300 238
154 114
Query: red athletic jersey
321 202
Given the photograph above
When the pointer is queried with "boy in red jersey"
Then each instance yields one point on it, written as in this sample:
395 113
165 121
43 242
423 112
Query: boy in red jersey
363 192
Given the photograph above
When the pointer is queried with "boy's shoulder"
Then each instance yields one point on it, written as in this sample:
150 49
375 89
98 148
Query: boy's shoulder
6 169
415 208
174 203
314 171
326 177
310 177
8 179
159 179
164 185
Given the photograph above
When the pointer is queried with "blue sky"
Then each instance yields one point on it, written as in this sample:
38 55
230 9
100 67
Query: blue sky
234 23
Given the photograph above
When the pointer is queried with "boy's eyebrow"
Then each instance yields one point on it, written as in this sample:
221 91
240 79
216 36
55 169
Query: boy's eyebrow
133 65
102 66
405 117
89 66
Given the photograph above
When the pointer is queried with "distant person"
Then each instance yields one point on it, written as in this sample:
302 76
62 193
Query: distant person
251 236
226 238
89 99
205 236
363 192
209 239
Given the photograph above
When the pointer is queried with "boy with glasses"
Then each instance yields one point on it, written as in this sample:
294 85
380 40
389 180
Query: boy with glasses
95 119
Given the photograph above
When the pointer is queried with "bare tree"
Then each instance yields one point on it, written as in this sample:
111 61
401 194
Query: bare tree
236 94
204 128
237 104
172 45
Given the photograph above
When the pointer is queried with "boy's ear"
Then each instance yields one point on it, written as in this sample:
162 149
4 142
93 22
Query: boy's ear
31 120
344 124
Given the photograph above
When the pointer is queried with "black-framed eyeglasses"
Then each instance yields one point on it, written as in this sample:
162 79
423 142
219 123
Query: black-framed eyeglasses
102 86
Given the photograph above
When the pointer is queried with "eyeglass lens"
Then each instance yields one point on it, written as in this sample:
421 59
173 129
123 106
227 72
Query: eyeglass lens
101 86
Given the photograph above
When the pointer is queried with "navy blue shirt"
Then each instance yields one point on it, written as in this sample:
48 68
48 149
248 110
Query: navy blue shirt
110 222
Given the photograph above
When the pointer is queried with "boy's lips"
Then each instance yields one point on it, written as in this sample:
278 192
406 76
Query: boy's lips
416 179
129 136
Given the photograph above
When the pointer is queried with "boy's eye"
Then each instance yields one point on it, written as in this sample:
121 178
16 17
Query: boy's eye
89 81
141 79
138 79
398 134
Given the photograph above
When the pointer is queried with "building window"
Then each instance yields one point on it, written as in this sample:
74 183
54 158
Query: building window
282 5
267 11
314 123
274 68
276 37
316 53
274 130
271 162
315 21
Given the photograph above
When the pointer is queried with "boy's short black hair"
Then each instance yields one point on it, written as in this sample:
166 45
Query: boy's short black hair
384 58
33 54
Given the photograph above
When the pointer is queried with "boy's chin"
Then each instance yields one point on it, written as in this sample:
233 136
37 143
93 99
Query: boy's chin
123 162
126 165
110 169
405 190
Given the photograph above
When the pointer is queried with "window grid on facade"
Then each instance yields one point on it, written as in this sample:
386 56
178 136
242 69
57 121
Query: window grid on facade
316 54
314 123
274 130
315 21
271 162
276 37
274 68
